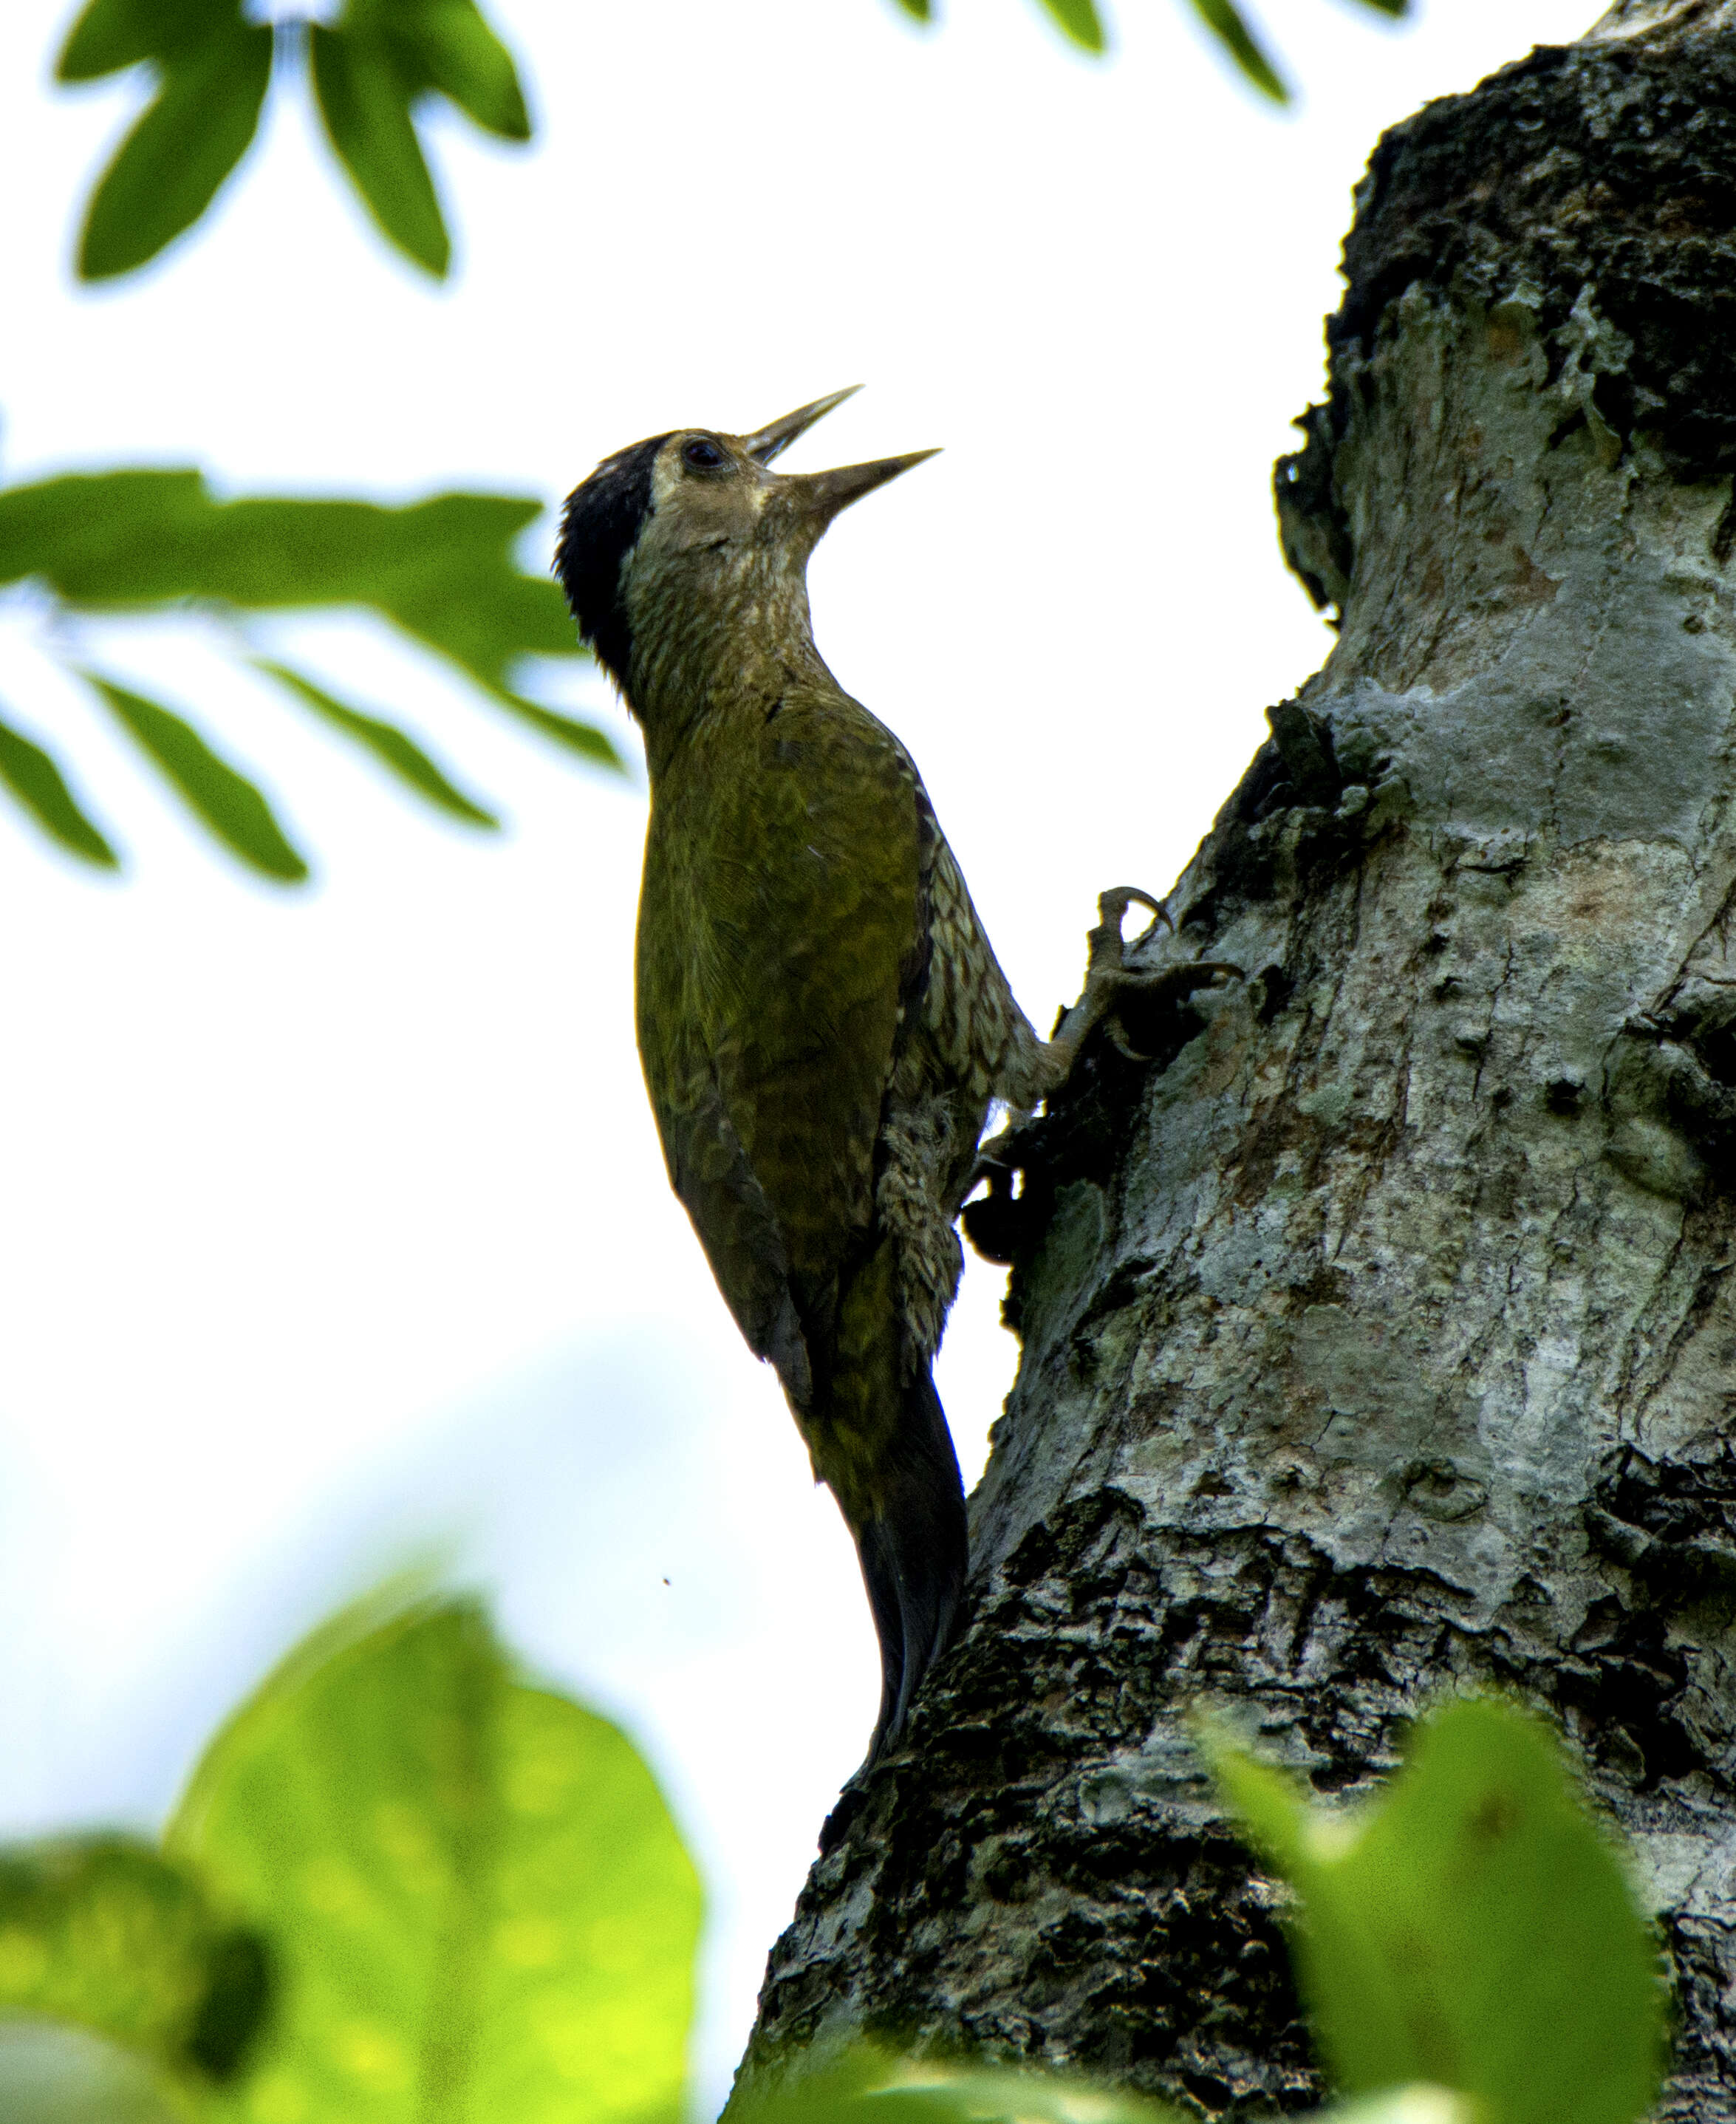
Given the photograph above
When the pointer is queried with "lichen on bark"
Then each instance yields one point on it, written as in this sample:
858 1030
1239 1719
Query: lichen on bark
1378 1331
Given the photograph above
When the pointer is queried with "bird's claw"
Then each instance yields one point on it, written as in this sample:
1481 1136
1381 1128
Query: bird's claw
1169 982
1105 940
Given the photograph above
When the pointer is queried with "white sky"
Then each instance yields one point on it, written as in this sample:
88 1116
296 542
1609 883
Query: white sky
335 1231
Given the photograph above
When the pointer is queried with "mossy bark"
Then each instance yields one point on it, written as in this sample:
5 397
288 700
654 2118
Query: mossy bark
1380 1333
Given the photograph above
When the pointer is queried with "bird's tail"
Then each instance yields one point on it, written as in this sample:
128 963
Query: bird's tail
914 1552
879 1442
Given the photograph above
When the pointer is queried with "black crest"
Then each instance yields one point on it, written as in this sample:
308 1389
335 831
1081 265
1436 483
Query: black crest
599 527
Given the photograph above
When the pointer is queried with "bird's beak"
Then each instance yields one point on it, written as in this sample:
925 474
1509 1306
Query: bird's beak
821 495
777 435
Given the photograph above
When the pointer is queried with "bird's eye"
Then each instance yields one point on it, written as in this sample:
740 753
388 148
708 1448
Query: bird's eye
702 455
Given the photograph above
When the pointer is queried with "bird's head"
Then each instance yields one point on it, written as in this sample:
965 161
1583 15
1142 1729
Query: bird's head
688 545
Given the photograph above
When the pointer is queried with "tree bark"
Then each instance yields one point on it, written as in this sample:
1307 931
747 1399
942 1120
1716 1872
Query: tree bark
1378 1333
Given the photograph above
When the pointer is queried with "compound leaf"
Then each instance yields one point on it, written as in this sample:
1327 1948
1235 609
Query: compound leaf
214 67
227 802
442 570
397 752
168 169
37 782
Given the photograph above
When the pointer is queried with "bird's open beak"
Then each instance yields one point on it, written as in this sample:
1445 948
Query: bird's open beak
822 494
777 435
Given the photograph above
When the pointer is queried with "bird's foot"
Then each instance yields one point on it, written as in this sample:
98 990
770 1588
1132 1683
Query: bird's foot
1109 981
1171 985
1106 944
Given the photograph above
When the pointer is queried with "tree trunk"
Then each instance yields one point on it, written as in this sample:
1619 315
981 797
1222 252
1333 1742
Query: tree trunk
1378 1333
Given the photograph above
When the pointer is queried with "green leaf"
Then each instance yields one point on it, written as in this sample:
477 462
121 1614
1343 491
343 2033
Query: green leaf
364 101
1224 22
1418 2103
170 166
1078 19
442 569
581 738
597 1909
483 1907
368 71
866 2086
1273 1813
40 787
111 34
1396 8
916 2093
448 46
108 35
228 802
107 1933
1472 1928
922 10
397 752
863 2085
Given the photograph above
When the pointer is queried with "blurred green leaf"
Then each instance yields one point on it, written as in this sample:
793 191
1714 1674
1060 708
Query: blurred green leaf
364 102
112 34
107 1933
863 2085
442 570
394 751
36 781
168 169
1471 1928
589 743
1418 2103
926 2093
922 10
481 1903
445 45
1394 7
228 803
1224 22
1079 21
368 70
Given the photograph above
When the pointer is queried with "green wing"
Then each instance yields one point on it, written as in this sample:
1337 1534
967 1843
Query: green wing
709 1170
780 939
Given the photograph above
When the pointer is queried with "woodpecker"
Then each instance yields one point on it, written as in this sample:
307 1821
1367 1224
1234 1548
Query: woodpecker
823 1024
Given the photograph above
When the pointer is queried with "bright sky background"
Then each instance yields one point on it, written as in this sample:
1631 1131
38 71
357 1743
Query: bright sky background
335 1231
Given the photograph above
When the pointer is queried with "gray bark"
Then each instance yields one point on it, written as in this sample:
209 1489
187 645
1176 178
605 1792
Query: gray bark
1378 1333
